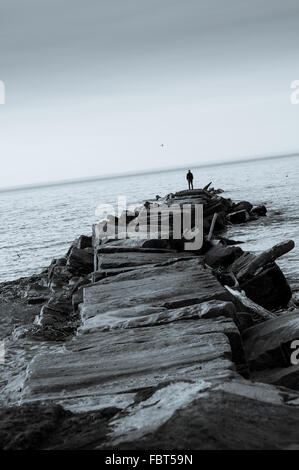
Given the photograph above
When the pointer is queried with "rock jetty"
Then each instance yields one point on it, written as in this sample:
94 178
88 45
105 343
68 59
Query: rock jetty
141 344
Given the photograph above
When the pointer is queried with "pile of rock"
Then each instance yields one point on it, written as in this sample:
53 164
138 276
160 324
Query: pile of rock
170 346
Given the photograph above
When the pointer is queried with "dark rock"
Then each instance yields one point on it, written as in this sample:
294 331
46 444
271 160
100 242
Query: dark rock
282 376
269 288
238 415
61 305
227 242
238 217
244 320
82 281
240 206
60 261
36 293
84 242
259 210
267 345
219 225
25 427
244 304
220 205
77 298
54 321
59 276
37 300
132 259
220 255
218 191
49 426
81 261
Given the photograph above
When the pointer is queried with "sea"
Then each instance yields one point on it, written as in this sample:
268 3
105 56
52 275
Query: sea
39 224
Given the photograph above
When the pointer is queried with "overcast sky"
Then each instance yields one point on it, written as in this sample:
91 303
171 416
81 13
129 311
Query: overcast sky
96 86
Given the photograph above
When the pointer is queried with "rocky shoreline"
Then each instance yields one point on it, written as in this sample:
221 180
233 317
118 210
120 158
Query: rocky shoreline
139 344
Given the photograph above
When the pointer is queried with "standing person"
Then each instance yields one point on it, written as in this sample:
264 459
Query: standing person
189 177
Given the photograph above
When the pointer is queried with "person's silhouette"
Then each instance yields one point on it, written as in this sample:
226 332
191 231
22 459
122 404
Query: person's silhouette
189 177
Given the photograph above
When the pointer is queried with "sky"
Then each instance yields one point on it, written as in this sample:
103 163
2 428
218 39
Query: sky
94 87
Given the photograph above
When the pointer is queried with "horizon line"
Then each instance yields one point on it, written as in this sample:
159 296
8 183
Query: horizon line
141 172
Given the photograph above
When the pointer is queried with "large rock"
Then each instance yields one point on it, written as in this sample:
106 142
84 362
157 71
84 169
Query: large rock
283 376
26 427
137 243
173 285
197 415
240 206
269 288
84 241
49 426
145 315
81 261
238 217
260 210
118 363
267 345
235 415
131 259
220 255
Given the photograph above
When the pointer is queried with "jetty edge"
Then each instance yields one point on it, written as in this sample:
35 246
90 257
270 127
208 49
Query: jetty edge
139 344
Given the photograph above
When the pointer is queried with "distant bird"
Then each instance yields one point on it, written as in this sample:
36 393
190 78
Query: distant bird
162 145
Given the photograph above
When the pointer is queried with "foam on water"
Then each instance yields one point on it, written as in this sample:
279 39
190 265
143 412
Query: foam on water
40 223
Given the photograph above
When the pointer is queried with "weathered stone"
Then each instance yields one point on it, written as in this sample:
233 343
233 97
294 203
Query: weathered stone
120 361
131 247
137 243
49 426
132 259
268 344
142 315
199 416
174 285
269 289
240 206
24 428
283 376
238 217
84 241
263 259
189 192
244 304
260 210
244 320
60 275
81 261
220 255
61 305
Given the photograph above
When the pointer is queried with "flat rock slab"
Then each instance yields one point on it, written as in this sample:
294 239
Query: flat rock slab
134 259
125 361
144 315
268 344
174 285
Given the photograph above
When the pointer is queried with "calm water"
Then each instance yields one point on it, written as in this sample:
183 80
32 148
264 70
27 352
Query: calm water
39 224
